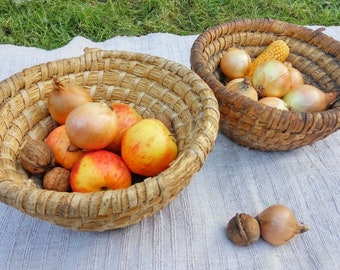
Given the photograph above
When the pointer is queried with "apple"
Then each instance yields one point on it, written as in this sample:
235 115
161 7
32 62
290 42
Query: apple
127 116
65 154
148 147
99 170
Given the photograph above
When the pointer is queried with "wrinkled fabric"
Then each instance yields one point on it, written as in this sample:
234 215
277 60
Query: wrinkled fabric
190 232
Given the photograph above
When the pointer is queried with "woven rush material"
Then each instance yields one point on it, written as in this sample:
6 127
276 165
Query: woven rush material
255 125
147 83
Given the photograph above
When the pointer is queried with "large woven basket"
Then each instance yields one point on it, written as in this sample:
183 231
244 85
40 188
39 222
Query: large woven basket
250 123
149 84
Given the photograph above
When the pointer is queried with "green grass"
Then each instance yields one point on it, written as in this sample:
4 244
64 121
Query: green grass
50 24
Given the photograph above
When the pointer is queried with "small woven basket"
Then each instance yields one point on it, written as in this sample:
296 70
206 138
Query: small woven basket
147 83
255 125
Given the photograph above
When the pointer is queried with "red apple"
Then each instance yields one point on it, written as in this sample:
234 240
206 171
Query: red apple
148 147
58 141
99 170
127 116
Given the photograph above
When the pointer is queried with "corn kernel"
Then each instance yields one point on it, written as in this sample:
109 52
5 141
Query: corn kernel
277 50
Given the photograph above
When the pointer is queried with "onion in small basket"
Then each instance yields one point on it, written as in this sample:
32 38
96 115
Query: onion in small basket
274 102
235 63
308 98
243 87
271 78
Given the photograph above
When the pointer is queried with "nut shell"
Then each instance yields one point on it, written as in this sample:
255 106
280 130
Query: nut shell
36 157
57 179
243 230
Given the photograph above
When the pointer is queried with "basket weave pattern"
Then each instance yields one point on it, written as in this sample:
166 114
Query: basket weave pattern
250 123
148 83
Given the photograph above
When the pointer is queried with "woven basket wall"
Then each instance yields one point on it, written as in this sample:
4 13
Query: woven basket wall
250 123
147 83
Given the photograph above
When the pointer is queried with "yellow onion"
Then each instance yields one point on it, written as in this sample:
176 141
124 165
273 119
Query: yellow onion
64 97
92 125
243 87
308 98
271 78
296 77
274 102
235 63
278 224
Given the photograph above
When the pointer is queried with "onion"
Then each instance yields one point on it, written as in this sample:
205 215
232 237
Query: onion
92 125
243 87
278 224
274 102
296 77
63 98
235 63
308 98
271 78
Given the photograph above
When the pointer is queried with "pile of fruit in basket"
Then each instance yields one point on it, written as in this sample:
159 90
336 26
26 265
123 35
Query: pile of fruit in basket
272 80
97 146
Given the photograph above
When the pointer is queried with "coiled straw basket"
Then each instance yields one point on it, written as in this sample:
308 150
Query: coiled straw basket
149 84
250 123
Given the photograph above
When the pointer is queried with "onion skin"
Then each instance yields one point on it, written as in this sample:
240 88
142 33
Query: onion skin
243 87
274 102
296 77
92 126
308 98
63 98
235 63
271 78
278 224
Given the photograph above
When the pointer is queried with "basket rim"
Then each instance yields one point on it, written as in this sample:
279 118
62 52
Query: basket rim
275 26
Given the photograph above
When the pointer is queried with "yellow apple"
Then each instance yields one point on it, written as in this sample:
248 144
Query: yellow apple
99 170
59 142
127 116
148 147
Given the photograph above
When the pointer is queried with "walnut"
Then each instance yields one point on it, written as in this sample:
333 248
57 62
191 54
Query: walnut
57 179
243 229
36 157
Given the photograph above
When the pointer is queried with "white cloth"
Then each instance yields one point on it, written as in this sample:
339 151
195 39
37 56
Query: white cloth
190 232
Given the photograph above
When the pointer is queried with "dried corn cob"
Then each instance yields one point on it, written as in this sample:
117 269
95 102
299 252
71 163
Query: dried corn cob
277 50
